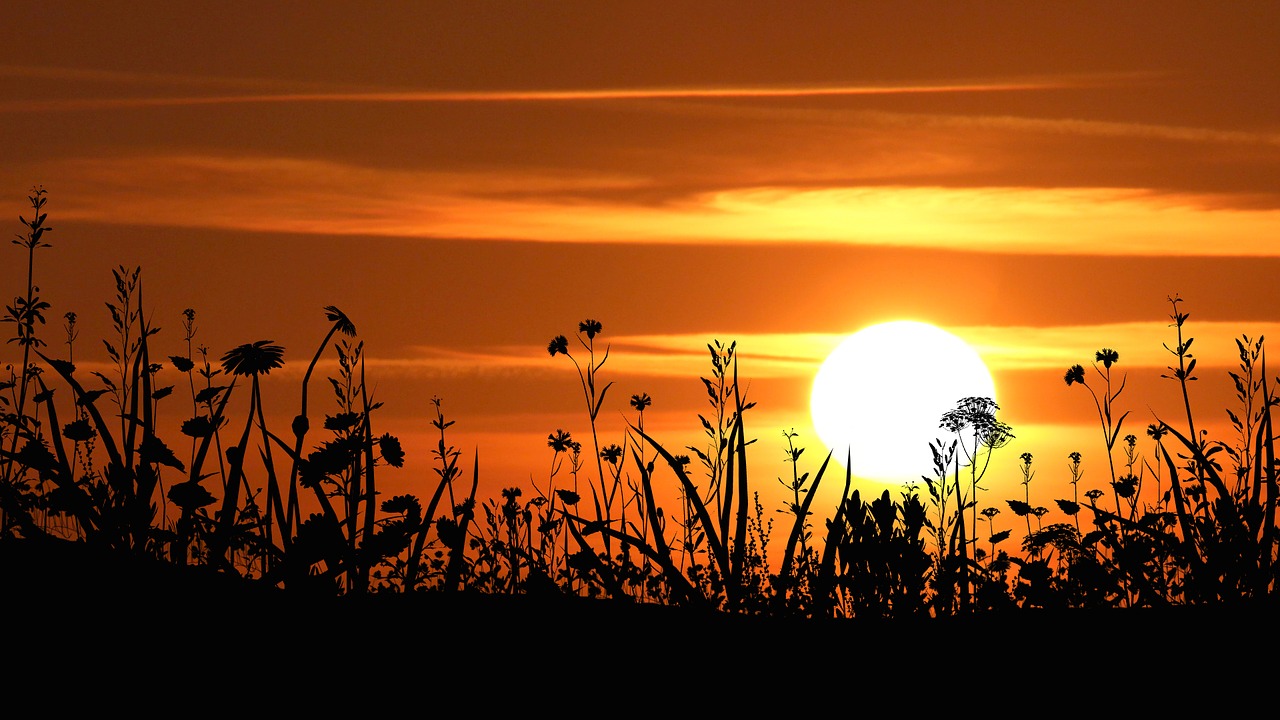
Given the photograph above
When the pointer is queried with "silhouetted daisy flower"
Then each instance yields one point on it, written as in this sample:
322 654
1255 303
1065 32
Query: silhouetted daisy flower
257 358
641 401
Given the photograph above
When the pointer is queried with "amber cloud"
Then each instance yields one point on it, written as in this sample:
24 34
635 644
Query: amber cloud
286 195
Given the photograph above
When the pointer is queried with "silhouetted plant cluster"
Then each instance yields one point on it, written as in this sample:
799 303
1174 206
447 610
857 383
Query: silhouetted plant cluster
82 459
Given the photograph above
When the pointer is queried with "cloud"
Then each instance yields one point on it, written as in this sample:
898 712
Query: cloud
472 96
310 196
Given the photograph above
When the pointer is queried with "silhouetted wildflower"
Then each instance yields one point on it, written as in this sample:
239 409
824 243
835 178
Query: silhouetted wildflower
559 345
590 327
257 358
78 430
1075 375
1107 356
978 413
560 440
188 324
345 326
641 401
389 446
198 427
1156 432
611 454
1126 486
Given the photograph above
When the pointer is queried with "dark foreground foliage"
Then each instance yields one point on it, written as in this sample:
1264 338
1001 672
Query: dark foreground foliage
230 536
107 634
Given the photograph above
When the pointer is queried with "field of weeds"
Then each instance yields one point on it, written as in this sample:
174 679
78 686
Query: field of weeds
209 527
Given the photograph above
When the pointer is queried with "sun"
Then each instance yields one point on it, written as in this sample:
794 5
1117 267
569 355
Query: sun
878 398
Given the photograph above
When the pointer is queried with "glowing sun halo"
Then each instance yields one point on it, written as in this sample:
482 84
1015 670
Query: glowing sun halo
881 394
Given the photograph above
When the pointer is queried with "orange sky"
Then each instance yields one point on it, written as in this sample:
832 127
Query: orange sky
468 180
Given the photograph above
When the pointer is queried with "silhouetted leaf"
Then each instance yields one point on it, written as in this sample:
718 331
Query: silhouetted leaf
210 393
89 396
153 450
1019 508
182 364
62 366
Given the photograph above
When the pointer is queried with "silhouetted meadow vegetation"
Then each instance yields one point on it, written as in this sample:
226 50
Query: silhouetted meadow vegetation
234 508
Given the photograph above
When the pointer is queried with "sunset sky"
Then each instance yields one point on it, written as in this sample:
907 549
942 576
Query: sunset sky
468 180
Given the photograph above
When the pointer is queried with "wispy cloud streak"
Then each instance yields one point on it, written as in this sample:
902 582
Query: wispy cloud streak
508 96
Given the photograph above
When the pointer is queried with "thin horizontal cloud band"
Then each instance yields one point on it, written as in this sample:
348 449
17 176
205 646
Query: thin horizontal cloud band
490 96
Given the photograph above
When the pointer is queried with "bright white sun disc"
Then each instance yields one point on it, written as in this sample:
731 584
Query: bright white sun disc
879 396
